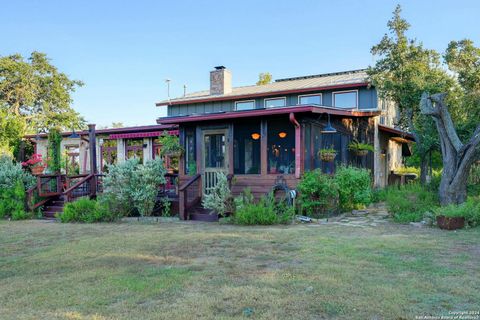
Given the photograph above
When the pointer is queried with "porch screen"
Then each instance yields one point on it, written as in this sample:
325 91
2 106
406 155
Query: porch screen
281 146
190 158
134 149
246 148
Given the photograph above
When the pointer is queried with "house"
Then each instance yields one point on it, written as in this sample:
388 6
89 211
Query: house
263 134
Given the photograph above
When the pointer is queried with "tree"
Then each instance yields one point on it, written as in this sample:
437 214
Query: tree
463 59
404 70
457 156
264 78
36 93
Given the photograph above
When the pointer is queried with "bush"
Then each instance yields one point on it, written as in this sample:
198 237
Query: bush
89 211
12 202
265 212
470 210
219 198
11 173
410 202
354 187
133 186
318 193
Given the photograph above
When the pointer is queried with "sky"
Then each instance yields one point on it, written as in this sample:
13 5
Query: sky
124 50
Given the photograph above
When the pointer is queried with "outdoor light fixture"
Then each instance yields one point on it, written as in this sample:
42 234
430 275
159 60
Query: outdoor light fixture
74 135
282 134
255 136
329 128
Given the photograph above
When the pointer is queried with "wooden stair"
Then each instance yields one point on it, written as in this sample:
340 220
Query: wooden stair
199 213
53 206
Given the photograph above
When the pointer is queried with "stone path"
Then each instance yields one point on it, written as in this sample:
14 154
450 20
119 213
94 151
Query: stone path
374 215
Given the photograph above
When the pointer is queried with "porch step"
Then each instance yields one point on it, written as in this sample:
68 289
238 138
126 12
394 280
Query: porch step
52 207
199 213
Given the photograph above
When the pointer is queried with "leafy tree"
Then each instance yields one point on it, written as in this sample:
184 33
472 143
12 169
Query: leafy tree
404 70
264 78
36 94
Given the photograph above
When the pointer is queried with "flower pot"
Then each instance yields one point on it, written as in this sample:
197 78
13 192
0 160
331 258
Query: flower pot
38 170
361 153
328 157
448 223
174 154
273 170
170 170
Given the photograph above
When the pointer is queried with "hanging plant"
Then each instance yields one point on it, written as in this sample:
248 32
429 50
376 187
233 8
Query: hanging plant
327 154
360 149
170 145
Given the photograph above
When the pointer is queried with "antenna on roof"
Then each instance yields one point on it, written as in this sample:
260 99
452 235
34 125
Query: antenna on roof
184 90
167 81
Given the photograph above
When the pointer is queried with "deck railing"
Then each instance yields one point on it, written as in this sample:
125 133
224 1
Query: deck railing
189 195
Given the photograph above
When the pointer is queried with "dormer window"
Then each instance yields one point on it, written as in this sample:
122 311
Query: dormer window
345 99
310 99
275 102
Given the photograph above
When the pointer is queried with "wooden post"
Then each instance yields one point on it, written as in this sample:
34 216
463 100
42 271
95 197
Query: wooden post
263 147
93 158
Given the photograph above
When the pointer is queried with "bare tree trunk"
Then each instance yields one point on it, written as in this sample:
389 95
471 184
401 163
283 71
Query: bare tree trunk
457 157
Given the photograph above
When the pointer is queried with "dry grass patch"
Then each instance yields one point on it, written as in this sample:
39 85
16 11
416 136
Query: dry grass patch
187 271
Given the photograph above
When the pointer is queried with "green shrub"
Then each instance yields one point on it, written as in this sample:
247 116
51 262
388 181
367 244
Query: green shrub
318 193
470 210
88 211
12 202
132 186
354 187
219 198
11 172
265 212
410 202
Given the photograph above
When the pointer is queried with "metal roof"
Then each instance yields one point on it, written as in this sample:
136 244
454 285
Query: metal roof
305 83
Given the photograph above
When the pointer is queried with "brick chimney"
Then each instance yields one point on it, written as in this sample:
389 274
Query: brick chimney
220 81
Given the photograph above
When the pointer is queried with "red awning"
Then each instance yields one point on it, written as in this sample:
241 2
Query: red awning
134 135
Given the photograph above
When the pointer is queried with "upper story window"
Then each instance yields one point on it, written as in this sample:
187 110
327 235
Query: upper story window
275 102
345 99
310 99
245 105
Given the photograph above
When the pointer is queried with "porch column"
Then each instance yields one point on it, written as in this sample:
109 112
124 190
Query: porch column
120 151
298 145
92 148
263 147
147 151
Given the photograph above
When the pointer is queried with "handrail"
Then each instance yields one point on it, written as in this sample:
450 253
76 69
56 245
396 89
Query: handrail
189 182
79 183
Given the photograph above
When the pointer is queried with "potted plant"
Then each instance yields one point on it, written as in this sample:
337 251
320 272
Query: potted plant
359 148
327 154
450 217
273 166
170 145
35 163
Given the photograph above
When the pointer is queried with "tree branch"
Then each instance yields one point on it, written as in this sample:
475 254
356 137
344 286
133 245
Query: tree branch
439 101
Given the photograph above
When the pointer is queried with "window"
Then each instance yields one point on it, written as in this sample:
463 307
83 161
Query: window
281 147
245 105
190 157
246 148
345 99
310 99
275 102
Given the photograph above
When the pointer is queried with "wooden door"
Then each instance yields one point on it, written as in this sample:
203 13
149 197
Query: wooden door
215 157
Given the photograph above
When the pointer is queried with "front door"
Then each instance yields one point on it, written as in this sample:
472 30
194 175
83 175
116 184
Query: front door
215 156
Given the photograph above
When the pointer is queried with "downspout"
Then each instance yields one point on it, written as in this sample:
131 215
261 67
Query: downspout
298 144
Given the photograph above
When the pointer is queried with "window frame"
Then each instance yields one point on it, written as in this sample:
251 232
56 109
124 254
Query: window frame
310 95
243 101
344 91
276 98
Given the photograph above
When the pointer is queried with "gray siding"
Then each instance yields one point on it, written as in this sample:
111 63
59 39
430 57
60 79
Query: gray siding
367 99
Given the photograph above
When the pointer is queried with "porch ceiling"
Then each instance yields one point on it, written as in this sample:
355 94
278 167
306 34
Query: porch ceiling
397 134
266 112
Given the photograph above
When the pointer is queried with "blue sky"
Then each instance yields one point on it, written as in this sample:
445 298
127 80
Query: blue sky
124 50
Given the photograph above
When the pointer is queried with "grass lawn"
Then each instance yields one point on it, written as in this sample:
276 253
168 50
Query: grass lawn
183 270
